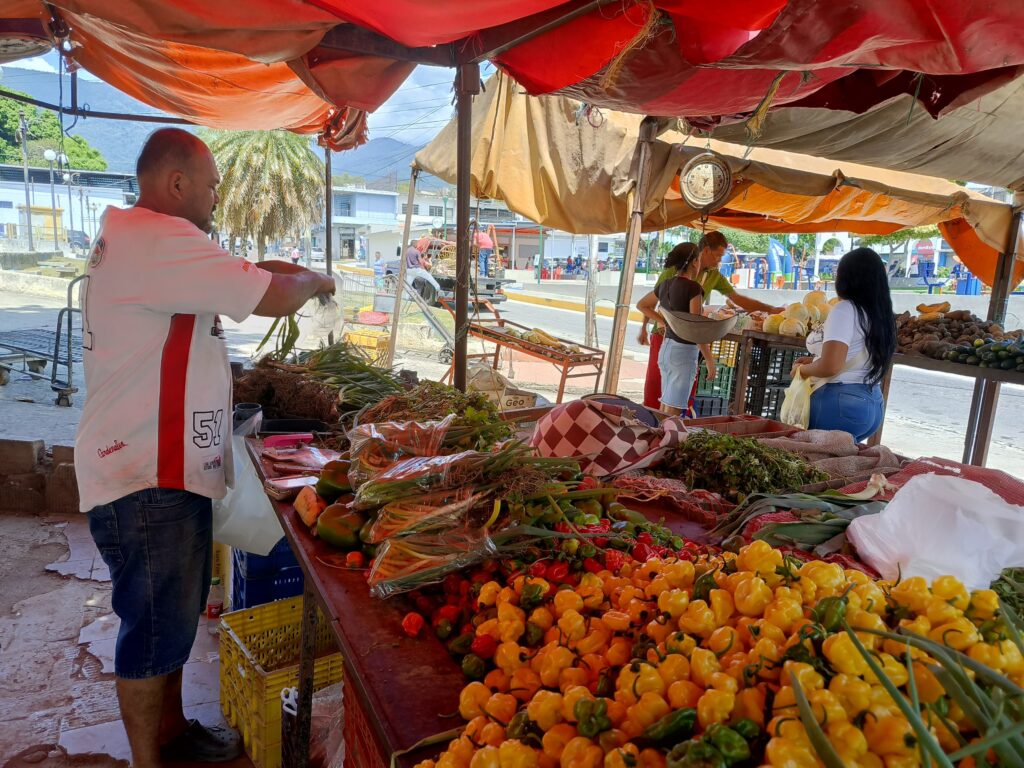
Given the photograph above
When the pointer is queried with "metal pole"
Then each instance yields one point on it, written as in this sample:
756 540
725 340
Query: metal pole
328 213
540 236
81 211
24 165
512 261
591 304
467 85
53 208
648 130
71 209
400 289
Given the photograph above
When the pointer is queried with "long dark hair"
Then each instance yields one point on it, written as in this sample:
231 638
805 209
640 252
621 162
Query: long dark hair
862 280
681 256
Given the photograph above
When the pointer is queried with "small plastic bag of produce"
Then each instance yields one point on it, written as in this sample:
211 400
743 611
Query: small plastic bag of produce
796 406
377 447
406 563
430 512
417 475
939 525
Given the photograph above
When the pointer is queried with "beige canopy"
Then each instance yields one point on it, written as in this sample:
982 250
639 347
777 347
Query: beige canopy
559 165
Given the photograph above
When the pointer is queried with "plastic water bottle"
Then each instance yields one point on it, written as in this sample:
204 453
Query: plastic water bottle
214 606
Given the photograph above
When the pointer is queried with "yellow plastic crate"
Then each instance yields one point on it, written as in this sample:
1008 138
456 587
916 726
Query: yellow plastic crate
374 342
259 657
724 352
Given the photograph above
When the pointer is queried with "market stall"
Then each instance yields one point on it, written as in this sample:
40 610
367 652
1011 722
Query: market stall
442 622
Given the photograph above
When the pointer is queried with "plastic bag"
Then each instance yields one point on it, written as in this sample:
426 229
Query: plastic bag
244 519
376 447
409 562
413 476
938 525
441 509
319 319
796 406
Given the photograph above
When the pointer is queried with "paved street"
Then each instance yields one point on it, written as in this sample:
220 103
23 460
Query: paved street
927 411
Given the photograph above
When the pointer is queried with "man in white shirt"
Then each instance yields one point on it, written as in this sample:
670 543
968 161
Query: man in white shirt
153 445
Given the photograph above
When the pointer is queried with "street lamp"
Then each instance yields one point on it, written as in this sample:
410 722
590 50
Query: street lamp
50 156
93 207
67 180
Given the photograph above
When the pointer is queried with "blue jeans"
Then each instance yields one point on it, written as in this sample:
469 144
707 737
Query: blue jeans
854 408
158 545
678 365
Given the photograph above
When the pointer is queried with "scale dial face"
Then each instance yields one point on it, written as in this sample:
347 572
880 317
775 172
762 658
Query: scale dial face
706 182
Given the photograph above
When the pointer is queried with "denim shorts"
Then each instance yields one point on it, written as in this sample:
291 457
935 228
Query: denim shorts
158 545
678 365
854 408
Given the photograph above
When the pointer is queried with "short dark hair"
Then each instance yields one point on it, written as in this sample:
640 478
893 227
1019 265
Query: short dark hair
712 240
680 257
166 146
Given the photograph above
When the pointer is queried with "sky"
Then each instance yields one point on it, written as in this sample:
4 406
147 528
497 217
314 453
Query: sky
414 114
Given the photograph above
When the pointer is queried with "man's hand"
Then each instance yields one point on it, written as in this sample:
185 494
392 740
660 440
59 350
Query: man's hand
798 363
326 285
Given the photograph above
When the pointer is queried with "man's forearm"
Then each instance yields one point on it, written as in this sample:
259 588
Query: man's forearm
287 293
280 267
752 305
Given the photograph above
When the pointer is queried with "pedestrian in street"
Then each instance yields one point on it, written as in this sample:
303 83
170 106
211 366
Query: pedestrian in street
417 264
154 442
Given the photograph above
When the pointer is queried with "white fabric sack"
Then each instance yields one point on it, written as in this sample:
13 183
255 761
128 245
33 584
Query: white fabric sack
938 525
244 519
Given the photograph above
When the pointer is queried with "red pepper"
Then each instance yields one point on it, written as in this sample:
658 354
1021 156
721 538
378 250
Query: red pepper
538 569
556 571
480 577
449 612
588 483
684 554
614 560
355 560
412 624
467 629
451 583
563 527
644 538
590 565
643 552
424 604
484 646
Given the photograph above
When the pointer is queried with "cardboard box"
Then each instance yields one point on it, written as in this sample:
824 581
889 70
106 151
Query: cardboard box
512 399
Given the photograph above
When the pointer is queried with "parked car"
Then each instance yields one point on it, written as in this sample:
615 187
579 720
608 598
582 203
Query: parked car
78 240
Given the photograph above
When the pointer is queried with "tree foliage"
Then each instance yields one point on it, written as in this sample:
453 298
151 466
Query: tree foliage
756 242
43 133
272 184
900 237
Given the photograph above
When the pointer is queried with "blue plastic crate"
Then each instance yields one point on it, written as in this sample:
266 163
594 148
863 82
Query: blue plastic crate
245 593
260 566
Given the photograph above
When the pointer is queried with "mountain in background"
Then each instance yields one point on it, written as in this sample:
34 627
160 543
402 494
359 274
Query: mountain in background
382 163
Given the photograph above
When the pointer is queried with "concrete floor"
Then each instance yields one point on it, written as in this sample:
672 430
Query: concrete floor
57 635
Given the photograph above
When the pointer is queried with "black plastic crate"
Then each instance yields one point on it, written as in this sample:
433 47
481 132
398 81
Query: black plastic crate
710 406
766 402
253 566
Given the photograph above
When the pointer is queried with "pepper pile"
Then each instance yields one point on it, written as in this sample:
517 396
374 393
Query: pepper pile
733 660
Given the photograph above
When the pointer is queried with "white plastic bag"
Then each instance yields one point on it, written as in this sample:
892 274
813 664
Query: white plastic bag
938 525
244 519
796 406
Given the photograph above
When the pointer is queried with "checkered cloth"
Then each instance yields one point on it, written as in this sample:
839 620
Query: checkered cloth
606 439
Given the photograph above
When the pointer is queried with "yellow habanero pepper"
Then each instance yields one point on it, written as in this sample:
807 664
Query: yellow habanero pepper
647 711
684 694
939 612
790 728
516 754
501 707
509 657
639 678
703 664
1013 661
542 617
617 621
572 625
581 752
890 735
570 698
849 740
912 593
784 612
843 655
952 591
524 683
472 700
511 622
766 653
658 629
555 660
626 756
959 634
656 587
595 641
486 758
674 667
786 753
698 619
872 598
673 602
722 606
679 574
759 556
853 693
806 675
488 594
826 707
892 668
929 689
828 577
984 604
556 738
566 599
867 620
749 704
715 707
723 640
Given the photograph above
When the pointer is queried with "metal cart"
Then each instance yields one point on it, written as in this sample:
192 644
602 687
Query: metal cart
28 351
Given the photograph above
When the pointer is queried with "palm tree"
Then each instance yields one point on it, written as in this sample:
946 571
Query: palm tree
272 184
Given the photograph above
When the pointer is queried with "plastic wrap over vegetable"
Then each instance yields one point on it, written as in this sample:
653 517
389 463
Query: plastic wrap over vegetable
429 512
377 447
406 563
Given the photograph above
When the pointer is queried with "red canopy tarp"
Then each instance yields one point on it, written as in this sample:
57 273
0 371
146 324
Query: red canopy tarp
263 63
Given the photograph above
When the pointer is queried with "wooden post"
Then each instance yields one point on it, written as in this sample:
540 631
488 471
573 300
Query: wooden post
982 414
400 289
328 212
648 130
467 85
590 318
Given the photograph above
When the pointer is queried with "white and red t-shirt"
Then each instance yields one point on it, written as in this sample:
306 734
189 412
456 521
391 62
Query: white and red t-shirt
158 385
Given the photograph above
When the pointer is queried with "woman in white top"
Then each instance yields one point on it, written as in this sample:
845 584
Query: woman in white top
853 349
